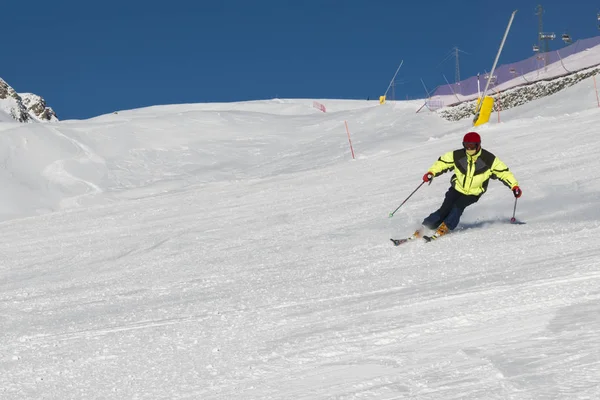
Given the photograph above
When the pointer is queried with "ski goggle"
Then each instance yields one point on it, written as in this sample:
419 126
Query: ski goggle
470 145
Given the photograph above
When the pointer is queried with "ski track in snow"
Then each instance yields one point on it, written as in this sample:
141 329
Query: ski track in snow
60 173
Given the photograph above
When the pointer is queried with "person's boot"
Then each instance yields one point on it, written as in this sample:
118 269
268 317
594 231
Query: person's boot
418 233
441 231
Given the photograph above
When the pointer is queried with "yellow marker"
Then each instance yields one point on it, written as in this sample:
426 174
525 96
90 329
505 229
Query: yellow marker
485 111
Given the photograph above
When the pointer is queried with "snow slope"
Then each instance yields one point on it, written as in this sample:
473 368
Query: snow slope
236 251
5 107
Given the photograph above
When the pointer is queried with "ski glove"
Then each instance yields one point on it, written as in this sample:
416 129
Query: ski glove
517 191
427 177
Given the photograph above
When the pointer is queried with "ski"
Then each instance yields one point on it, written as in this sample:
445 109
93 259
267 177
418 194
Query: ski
431 238
412 238
398 242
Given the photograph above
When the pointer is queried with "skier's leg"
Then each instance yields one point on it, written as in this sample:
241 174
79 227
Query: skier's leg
462 202
435 218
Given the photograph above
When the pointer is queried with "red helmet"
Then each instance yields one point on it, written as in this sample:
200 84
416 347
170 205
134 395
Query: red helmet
472 141
472 137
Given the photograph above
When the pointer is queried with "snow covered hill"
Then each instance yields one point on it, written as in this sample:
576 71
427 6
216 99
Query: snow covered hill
237 251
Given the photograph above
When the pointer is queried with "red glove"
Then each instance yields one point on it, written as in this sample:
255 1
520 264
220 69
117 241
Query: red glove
427 177
517 191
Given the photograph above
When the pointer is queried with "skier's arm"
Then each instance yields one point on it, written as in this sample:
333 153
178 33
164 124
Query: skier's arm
501 171
443 164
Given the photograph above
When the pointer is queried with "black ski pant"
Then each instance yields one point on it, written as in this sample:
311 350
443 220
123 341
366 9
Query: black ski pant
452 208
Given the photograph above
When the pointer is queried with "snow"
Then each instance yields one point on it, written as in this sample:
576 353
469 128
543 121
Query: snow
6 105
237 251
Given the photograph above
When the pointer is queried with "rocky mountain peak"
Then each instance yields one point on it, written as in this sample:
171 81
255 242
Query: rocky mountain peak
24 107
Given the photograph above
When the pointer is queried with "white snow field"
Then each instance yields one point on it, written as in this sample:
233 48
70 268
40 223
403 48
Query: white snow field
237 251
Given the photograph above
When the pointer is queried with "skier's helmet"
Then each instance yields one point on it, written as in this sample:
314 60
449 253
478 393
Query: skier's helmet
472 141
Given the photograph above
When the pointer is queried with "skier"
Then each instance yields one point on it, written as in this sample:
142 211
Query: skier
473 167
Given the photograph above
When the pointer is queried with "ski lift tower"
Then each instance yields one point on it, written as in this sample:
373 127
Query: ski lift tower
457 70
543 37
457 67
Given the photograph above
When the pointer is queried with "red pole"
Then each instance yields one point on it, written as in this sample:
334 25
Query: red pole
349 141
499 106
596 88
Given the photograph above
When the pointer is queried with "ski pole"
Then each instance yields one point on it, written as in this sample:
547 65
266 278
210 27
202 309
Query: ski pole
418 187
513 219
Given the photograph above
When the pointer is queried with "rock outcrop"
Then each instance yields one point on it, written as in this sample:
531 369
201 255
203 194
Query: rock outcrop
26 107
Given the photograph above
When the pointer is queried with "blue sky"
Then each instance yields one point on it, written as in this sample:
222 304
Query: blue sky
88 59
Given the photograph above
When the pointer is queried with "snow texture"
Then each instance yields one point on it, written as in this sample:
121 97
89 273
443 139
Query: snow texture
237 251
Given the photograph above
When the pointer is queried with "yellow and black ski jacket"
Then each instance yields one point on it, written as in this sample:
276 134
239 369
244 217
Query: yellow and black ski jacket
472 173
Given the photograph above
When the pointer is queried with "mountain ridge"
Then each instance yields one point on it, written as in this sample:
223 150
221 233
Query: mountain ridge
23 107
